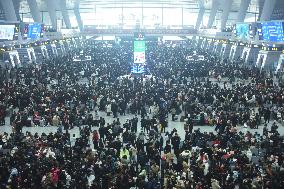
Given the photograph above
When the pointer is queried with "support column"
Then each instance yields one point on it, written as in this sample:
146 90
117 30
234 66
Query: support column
51 5
35 11
243 10
200 14
226 11
65 14
267 10
9 10
78 16
214 9
17 9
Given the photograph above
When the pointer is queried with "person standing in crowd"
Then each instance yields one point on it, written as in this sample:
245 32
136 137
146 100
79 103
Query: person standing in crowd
96 139
173 112
134 124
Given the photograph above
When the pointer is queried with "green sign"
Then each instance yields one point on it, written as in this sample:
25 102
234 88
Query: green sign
139 46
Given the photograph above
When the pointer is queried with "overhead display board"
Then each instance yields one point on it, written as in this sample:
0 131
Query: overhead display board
7 32
137 69
271 31
32 31
242 31
245 31
139 49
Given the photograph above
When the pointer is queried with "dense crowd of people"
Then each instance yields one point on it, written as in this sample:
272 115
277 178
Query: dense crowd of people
66 94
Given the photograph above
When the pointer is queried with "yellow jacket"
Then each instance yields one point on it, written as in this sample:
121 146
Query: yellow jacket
124 153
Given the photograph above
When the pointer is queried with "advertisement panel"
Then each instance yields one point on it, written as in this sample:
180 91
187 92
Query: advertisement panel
7 32
271 31
34 31
139 52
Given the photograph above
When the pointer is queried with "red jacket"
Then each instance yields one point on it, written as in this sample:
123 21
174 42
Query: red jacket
96 136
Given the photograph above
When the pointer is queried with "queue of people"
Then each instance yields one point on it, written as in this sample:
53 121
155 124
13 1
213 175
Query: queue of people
66 94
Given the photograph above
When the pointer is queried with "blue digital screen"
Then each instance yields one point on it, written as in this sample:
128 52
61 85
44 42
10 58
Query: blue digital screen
137 69
271 31
259 31
242 31
34 31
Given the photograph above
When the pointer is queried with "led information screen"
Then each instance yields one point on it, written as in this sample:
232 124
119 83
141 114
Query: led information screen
7 32
34 31
139 51
245 31
137 69
242 31
139 48
271 31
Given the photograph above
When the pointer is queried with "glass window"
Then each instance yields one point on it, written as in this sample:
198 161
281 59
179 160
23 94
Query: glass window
205 20
46 18
190 17
72 18
152 17
251 17
88 18
232 19
217 21
132 16
108 16
27 17
172 16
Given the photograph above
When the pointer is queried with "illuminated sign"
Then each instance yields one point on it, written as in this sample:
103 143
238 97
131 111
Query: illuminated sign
271 48
139 35
271 31
139 51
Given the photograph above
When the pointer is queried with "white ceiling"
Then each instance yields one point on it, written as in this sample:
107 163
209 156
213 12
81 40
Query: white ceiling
91 5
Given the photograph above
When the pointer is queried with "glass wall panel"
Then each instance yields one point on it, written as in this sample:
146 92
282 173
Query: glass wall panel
26 17
217 22
232 19
251 17
88 18
172 16
132 16
108 16
190 17
152 17
72 18
205 19
46 18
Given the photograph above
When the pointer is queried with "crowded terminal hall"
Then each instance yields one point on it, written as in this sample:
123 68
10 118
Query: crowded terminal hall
162 94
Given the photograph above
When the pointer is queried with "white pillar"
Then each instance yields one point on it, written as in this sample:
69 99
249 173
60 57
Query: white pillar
267 10
200 14
214 9
51 7
78 16
243 10
65 14
16 4
226 11
199 18
35 10
9 10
